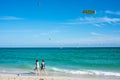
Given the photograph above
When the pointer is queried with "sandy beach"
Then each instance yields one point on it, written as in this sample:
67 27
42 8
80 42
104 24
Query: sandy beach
28 77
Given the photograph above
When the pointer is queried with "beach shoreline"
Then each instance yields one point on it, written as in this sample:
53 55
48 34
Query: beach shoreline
41 77
21 74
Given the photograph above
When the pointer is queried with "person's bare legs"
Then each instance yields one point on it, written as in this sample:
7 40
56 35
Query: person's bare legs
38 72
35 71
45 71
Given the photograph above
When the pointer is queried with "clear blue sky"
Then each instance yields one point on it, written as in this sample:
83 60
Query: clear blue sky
59 23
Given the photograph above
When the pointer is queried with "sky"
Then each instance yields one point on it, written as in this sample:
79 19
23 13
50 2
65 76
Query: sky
59 23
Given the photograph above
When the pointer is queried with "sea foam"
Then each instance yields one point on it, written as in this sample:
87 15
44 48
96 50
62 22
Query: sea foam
86 72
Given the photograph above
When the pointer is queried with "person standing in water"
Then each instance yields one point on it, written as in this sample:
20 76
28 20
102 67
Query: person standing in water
43 67
37 68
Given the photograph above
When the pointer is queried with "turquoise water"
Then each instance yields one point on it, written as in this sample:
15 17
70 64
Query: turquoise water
97 61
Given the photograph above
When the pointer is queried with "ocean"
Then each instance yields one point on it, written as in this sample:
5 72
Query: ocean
77 61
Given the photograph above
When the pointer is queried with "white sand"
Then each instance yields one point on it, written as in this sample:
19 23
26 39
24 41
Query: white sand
16 77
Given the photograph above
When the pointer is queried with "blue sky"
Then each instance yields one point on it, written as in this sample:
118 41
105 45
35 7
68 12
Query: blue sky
59 23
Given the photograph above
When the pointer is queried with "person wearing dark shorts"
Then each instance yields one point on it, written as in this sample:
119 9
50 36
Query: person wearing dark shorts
42 68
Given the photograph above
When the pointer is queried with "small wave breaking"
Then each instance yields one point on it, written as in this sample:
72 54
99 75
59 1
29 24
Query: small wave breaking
85 72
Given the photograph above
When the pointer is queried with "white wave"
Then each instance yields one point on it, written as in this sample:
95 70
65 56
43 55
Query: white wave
88 72
12 70
106 73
